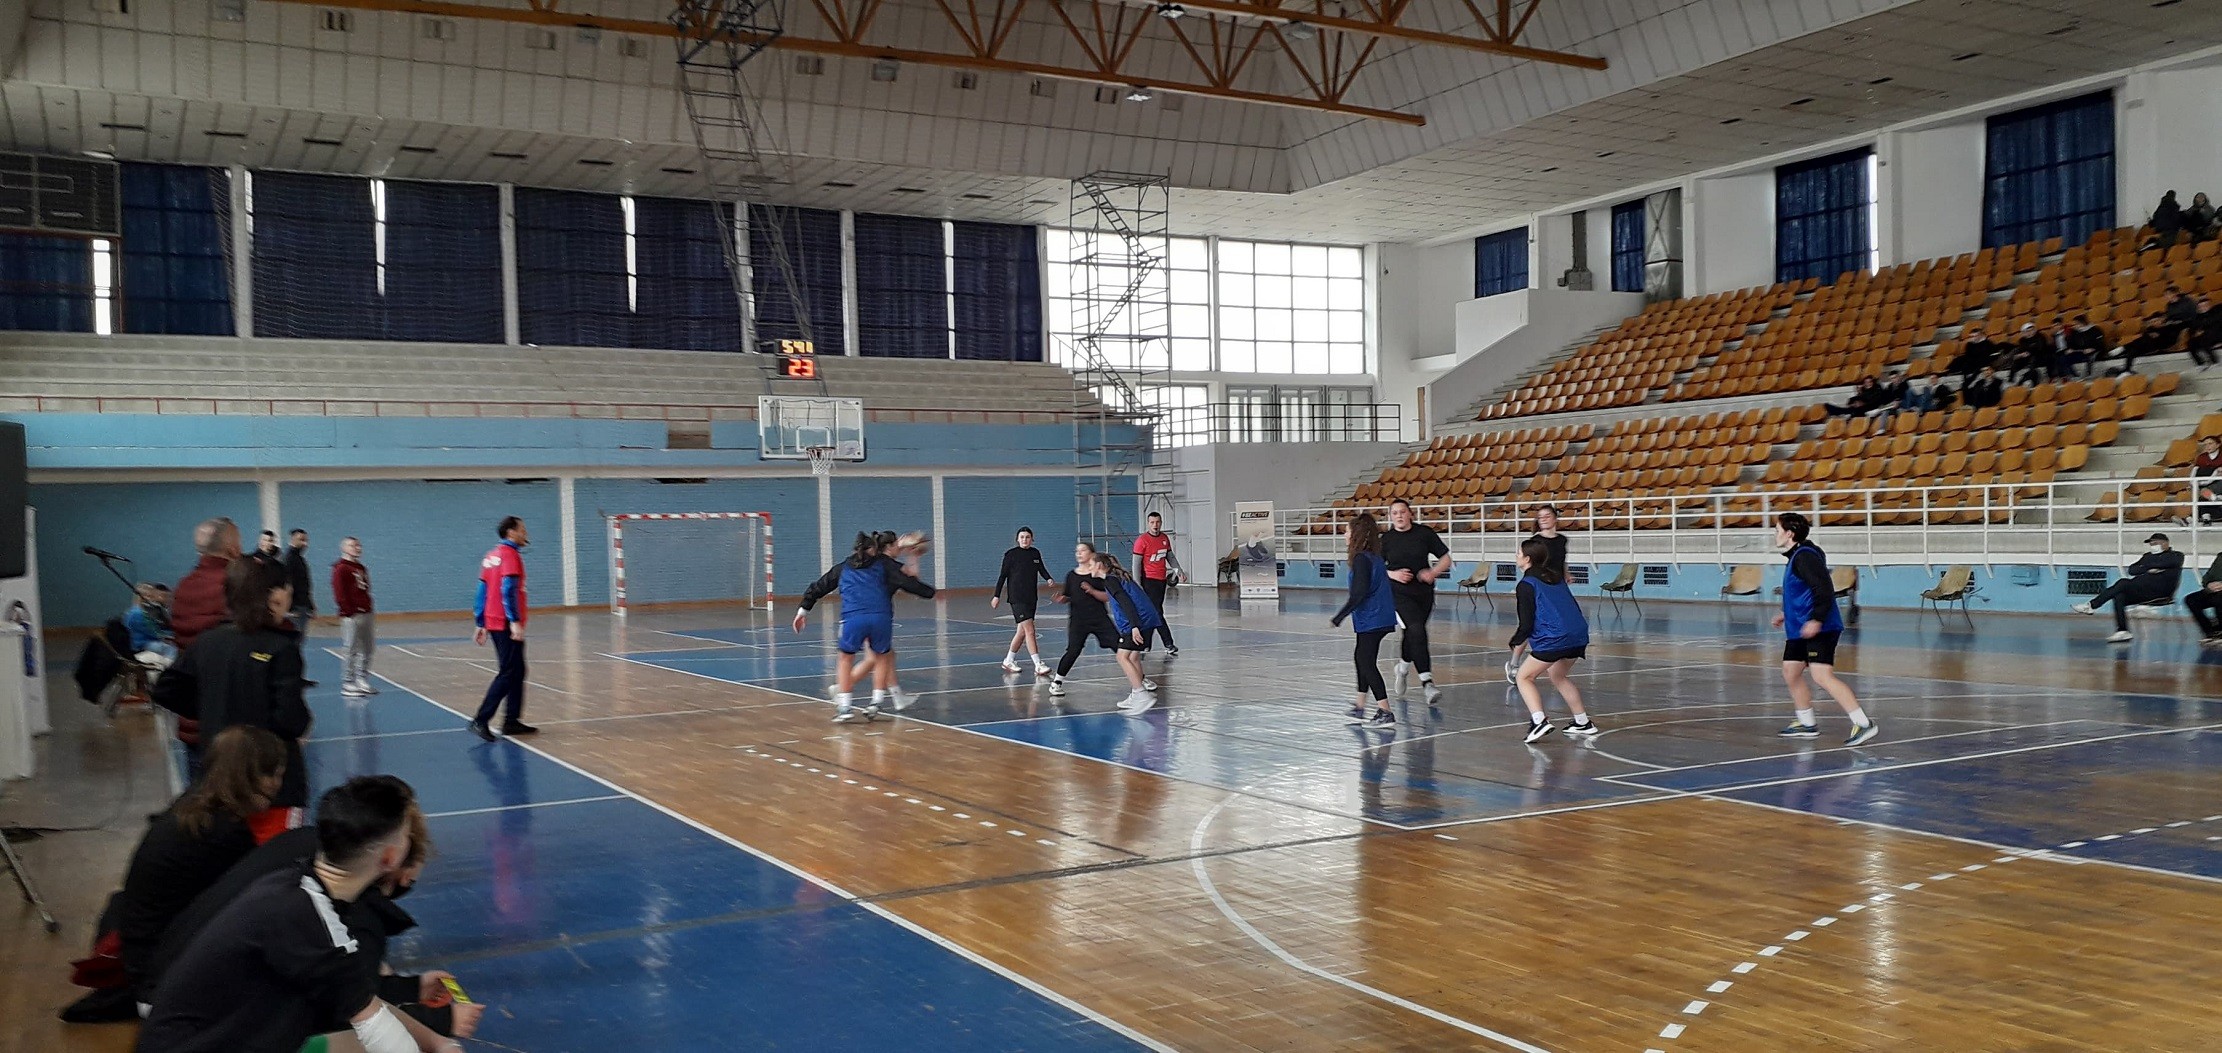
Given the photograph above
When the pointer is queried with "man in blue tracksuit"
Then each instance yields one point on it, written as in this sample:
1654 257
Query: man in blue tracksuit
1811 626
867 582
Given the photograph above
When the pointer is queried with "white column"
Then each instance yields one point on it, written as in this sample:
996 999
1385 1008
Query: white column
266 493
242 255
509 327
948 300
941 552
825 520
567 499
848 284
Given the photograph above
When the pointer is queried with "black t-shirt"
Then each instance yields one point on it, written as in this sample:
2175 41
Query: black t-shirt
168 869
1558 547
1023 571
1415 550
1086 609
275 968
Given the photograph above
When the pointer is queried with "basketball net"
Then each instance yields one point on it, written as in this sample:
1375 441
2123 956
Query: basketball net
821 459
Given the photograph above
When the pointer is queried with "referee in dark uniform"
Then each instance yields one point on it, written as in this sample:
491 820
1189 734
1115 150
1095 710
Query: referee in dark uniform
1416 556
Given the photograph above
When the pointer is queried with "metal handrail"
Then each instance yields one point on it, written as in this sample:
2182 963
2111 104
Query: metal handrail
2013 523
1272 422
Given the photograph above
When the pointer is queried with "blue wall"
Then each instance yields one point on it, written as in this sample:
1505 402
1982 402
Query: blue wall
422 540
992 511
151 523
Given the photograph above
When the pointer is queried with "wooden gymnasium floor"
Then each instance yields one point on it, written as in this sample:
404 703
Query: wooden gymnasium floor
691 857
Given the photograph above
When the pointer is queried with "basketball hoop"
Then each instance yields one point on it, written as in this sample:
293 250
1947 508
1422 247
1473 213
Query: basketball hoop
821 459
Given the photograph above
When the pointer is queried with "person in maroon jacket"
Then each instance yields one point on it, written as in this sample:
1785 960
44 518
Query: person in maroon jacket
198 604
351 594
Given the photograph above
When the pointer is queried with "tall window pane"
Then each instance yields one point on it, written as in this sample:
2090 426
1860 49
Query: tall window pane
1501 262
2048 172
1627 247
1825 217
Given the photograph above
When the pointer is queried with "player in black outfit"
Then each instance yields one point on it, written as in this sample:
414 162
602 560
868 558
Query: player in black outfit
1022 573
1416 557
1546 531
1087 593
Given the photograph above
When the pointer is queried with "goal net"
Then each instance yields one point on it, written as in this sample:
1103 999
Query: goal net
700 558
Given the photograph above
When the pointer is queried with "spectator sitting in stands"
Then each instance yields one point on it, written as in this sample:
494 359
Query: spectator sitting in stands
2089 340
2166 222
2206 602
1917 396
1866 396
1976 355
1985 390
2032 358
2206 479
2157 337
2199 219
148 622
2065 358
2204 336
2153 577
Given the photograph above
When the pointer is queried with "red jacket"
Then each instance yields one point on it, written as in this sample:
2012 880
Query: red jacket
350 587
197 605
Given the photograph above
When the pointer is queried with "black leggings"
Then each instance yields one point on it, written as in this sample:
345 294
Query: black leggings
1105 635
1154 588
1414 608
1367 655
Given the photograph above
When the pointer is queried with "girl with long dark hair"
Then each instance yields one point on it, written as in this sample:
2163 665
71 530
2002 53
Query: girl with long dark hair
1556 635
1103 611
1371 610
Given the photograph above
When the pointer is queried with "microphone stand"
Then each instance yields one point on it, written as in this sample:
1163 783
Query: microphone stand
128 584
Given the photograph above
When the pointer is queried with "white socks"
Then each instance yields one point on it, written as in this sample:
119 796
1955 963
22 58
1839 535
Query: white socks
1427 678
1858 715
878 696
1805 717
842 700
1536 717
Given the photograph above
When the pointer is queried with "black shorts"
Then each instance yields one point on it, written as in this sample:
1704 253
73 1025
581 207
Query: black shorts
1820 650
1547 657
1022 612
1107 637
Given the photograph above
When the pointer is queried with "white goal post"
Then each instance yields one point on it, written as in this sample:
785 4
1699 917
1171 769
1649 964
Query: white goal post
702 576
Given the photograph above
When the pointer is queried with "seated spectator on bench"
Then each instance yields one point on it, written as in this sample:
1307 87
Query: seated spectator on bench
148 622
2203 336
2156 338
2154 576
2205 604
1918 396
2089 340
2199 219
1976 355
1985 390
2166 222
2206 480
1867 397
278 965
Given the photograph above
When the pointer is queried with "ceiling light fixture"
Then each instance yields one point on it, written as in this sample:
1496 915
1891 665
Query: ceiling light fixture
1299 31
1172 11
1140 93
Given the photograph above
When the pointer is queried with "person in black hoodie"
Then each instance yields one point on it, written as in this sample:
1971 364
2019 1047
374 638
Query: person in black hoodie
1018 584
248 672
2166 222
304 593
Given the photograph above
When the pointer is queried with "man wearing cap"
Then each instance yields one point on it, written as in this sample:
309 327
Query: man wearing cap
2153 577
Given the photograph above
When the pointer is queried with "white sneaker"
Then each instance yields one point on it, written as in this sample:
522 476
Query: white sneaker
2082 608
1403 677
1511 672
1138 701
1057 686
1041 670
1430 692
2120 637
901 700
353 690
848 714
1010 664
1149 684
366 687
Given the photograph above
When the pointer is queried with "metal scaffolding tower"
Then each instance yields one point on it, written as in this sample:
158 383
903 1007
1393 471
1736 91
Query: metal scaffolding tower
1121 353
716 38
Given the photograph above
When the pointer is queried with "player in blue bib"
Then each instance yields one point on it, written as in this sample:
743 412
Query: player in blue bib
1556 635
867 582
1811 625
1371 610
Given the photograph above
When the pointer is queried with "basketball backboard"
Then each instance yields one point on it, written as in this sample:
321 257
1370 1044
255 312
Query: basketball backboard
789 425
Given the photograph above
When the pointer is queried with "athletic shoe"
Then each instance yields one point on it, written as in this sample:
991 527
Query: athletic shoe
1860 736
1403 676
1138 700
1010 665
482 731
1511 672
2082 608
848 715
366 687
1536 732
1800 731
2122 636
871 712
1357 715
1172 651
353 690
1042 671
1430 692
1381 718
1056 686
1149 684
1583 727
518 727
899 699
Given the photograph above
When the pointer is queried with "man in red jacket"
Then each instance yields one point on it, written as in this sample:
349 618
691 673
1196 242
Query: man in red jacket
198 605
351 594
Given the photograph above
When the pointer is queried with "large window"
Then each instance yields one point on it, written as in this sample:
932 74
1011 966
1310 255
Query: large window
1825 217
995 292
1501 262
574 284
439 260
316 256
46 284
807 284
176 278
683 296
902 287
1627 247
2048 172
1291 308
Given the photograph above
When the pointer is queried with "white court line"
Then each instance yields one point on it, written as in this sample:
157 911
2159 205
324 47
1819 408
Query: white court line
1203 878
1991 728
919 930
521 807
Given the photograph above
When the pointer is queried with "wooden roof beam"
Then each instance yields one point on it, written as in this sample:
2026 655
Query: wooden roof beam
1388 28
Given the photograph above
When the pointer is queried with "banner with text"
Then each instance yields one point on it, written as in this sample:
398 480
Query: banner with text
1259 572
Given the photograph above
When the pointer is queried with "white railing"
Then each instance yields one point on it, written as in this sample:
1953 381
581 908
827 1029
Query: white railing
2045 524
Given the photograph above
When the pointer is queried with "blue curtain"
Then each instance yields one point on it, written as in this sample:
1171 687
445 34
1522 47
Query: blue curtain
571 277
686 299
176 277
443 262
1627 247
813 242
46 284
315 257
998 292
1822 213
902 300
2048 171
1501 262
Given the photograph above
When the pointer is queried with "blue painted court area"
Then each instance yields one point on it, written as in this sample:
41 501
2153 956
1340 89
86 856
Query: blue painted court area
593 922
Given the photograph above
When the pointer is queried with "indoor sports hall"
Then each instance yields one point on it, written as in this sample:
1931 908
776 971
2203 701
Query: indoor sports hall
1229 525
